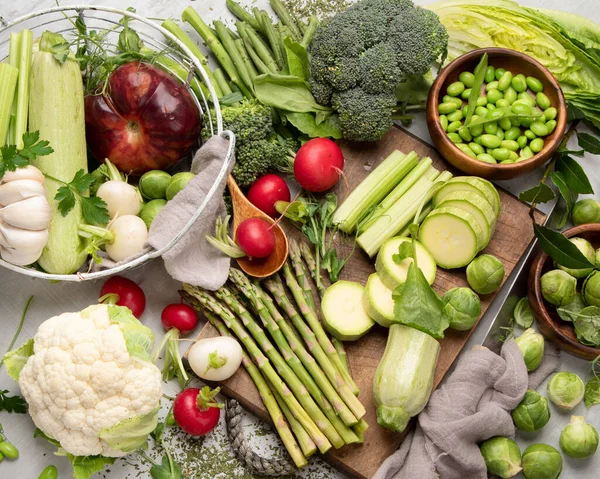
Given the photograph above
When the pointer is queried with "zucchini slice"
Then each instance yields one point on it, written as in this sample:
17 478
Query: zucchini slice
393 274
344 313
485 187
378 301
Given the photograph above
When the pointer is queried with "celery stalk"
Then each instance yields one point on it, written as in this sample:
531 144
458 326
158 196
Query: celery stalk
22 96
14 48
372 189
8 87
399 215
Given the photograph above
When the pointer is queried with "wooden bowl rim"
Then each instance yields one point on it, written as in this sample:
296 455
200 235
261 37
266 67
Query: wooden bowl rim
540 311
510 170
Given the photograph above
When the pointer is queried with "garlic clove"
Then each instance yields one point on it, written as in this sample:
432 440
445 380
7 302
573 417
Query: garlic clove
20 190
21 239
31 214
18 257
28 172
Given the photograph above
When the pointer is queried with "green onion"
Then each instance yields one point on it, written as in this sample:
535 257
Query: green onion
8 87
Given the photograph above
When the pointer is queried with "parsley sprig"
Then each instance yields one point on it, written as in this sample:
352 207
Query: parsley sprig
11 158
94 209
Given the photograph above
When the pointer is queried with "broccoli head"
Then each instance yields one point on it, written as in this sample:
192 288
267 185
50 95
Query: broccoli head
249 121
256 158
379 70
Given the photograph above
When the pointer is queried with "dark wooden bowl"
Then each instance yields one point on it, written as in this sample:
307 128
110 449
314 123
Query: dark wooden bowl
558 331
516 62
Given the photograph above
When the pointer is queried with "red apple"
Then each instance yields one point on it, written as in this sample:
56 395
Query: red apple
146 120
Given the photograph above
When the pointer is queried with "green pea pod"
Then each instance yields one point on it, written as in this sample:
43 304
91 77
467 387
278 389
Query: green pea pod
479 76
50 472
9 450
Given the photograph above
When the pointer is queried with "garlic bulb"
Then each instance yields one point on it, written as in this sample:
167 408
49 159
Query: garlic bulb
20 190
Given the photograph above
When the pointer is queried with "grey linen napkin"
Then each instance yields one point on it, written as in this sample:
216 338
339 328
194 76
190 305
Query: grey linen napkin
193 260
472 405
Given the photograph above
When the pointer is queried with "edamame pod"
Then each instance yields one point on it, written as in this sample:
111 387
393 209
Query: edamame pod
8 450
49 472
535 85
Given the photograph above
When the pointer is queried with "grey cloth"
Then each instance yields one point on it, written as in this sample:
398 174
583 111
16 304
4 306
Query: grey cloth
193 260
472 405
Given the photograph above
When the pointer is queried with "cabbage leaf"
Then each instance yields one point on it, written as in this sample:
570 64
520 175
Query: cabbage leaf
130 434
15 360
138 338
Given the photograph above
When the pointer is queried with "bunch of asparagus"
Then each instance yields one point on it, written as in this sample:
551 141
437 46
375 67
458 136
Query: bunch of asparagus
256 48
301 375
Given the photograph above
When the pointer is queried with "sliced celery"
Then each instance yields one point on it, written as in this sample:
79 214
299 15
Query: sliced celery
14 49
372 189
22 97
8 87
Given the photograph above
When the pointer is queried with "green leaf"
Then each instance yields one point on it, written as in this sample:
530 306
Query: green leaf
10 404
297 59
587 326
15 360
231 98
307 124
86 466
479 74
574 176
592 392
568 312
503 112
523 313
574 112
540 193
131 434
589 143
95 210
139 339
405 250
66 199
286 92
165 471
418 306
82 181
569 196
560 249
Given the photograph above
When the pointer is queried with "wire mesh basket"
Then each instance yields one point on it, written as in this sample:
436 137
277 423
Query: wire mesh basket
63 20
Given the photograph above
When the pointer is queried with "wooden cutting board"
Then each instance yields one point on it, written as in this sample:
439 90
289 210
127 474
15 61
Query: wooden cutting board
513 234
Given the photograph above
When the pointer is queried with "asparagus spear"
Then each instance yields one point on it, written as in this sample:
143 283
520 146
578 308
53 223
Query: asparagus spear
234 54
222 81
301 277
209 302
286 18
242 14
262 50
275 406
316 326
313 23
339 347
297 378
312 267
274 40
275 286
239 44
260 65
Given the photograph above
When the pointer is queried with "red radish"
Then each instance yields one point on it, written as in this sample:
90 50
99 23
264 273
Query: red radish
196 412
318 165
266 191
180 316
255 237
124 292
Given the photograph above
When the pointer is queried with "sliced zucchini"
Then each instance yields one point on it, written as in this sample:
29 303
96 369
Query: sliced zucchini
485 187
452 237
344 313
378 301
393 274
459 187
473 204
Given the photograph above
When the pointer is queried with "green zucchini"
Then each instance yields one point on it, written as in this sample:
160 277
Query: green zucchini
344 314
393 274
378 301
471 183
56 110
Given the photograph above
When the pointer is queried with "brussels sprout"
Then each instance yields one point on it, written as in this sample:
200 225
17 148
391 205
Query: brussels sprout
541 461
523 314
579 439
150 210
485 274
566 390
570 311
153 184
587 326
502 456
597 262
558 287
178 182
586 211
531 344
588 251
463 307
592 392
591 289
532 413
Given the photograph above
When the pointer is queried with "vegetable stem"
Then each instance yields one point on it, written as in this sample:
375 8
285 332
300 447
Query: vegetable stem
234 54
300 270
313 23
309 259
242 14
8 86
222 81
274 39
22 94
286 18
239 44
18 331
259 47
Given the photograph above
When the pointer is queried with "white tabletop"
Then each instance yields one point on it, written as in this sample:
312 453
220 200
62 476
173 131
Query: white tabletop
214 458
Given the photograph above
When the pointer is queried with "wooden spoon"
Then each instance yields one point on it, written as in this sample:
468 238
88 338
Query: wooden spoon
242 210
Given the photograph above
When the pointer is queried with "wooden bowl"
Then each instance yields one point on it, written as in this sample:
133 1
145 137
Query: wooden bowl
516 62
558 331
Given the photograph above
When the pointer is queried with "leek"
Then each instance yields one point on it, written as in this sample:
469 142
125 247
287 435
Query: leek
22 97
372 189
8 86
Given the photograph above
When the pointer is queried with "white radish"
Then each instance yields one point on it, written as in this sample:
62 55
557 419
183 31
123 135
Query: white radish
26 173
30 214
121 198
129 235
215 359
20 190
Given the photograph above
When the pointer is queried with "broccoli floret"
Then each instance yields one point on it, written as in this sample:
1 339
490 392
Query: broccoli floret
256 158
379 70
321 91
249 121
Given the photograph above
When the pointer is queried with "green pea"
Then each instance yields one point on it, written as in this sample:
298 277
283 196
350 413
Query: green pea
456 88
515 121
550 113
513 156
503 102
550 125
467 78
542 100
539 128
510 94
476 148
507 162
511 145
491 127
500 133
494 95
537 145
501 154
8 450
476 130
505 80
476 139
454 126
489 150
49 472
491 106
447 107
455 138
491 86
465 134
444 122
518 84
522 141
526 122
520 109
486 158
499 73
481 111
465 110
457 115
490 74
448 98
526 153
530 134
526 97
522 77
465 149
504 123
490 141
481 101
466 94
535 85
512 133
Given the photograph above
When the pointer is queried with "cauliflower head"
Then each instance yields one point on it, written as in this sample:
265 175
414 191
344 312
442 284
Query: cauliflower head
89 382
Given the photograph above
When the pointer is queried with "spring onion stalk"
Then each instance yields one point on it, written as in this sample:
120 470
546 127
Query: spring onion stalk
228 44
428 208
22 95
313 23
399 215
372 189
286 19
424 168
242 14
8 86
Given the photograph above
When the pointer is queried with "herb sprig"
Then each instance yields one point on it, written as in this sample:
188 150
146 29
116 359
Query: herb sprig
33 147
94 209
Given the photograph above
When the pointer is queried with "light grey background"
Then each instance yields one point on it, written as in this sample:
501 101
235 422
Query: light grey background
52 299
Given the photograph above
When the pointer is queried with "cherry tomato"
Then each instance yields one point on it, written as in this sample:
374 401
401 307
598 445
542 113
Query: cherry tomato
124 292
179 316
195 410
